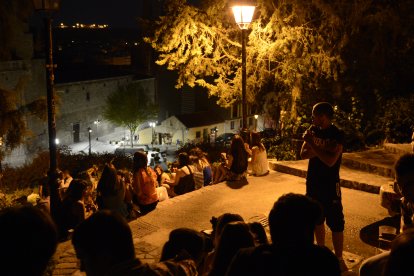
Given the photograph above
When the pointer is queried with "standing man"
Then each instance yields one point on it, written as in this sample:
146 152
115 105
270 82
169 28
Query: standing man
323 144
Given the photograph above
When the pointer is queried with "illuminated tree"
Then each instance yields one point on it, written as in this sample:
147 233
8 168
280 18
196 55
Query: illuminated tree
284 48
323 50
13 115
129 107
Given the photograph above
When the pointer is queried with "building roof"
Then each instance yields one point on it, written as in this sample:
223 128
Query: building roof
70 74
200 119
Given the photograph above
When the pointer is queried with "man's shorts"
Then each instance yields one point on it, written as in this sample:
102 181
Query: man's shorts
332 212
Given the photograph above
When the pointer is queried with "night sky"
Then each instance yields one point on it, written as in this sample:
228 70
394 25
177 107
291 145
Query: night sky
119 13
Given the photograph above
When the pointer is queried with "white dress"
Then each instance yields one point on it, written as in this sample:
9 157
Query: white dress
259 164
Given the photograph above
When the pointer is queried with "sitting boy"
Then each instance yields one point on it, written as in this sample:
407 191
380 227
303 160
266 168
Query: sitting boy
404 176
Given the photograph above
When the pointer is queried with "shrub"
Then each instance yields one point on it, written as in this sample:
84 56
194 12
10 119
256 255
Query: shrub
29 175
397 119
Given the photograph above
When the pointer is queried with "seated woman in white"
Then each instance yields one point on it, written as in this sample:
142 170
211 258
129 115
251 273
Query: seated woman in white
258 164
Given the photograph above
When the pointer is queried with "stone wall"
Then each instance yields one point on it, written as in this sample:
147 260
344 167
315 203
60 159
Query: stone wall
77 103
81 105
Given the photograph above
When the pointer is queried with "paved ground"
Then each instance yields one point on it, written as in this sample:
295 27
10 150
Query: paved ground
253 201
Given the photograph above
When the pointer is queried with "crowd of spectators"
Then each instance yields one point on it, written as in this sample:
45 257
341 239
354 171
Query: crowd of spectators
135 193
104 246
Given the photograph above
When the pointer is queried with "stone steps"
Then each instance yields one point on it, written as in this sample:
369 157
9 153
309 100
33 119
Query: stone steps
350 178
366 170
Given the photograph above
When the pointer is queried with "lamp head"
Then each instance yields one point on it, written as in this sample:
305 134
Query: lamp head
243 13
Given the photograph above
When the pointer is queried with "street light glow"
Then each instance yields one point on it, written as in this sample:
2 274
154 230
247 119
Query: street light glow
243 15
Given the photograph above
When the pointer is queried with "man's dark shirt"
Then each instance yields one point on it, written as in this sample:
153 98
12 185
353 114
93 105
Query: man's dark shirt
321 180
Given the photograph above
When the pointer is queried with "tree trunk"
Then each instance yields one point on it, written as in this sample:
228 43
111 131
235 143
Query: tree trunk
132 138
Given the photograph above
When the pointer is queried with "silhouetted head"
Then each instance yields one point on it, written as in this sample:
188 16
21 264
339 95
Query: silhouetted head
28 239
235 235
184 241
76 189
109 181
220 222
323 108
293 218
258 233
237 143
140 160
197 152
404 174
183 159
102 241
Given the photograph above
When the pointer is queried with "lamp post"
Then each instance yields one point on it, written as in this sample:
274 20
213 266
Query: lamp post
48 7
89 136
255 121
243 14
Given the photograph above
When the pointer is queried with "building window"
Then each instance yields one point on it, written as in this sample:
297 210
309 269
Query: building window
232 125
88 96
198 134
250 121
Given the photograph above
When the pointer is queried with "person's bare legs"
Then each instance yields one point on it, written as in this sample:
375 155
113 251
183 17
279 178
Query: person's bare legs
320 234
338 243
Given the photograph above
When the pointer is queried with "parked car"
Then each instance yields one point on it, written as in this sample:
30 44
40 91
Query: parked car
128 151
154 157
224 139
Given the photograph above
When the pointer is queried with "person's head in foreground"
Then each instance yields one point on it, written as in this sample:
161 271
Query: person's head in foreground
103 241
293 218
28 239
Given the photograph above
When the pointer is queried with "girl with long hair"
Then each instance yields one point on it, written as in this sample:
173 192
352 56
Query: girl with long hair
259 164
144 183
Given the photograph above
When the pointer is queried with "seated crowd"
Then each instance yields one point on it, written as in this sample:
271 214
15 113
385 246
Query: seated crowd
137 192
104 245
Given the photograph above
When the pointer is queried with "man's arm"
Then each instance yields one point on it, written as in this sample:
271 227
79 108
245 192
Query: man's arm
306 151
327 154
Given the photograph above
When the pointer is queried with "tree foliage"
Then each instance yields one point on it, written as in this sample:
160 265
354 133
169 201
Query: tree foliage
13 112
290 41
340 51
129 107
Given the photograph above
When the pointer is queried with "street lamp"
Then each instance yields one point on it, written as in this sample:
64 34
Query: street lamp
255 121
97 122
48 7
89 135
243 14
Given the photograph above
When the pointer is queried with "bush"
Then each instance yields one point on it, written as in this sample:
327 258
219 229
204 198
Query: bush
29 175
281 148
397 119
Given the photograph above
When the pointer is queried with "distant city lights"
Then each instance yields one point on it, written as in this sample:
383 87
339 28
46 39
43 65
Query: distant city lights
83 26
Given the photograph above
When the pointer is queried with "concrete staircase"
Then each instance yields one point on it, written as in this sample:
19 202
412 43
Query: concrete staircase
366 171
